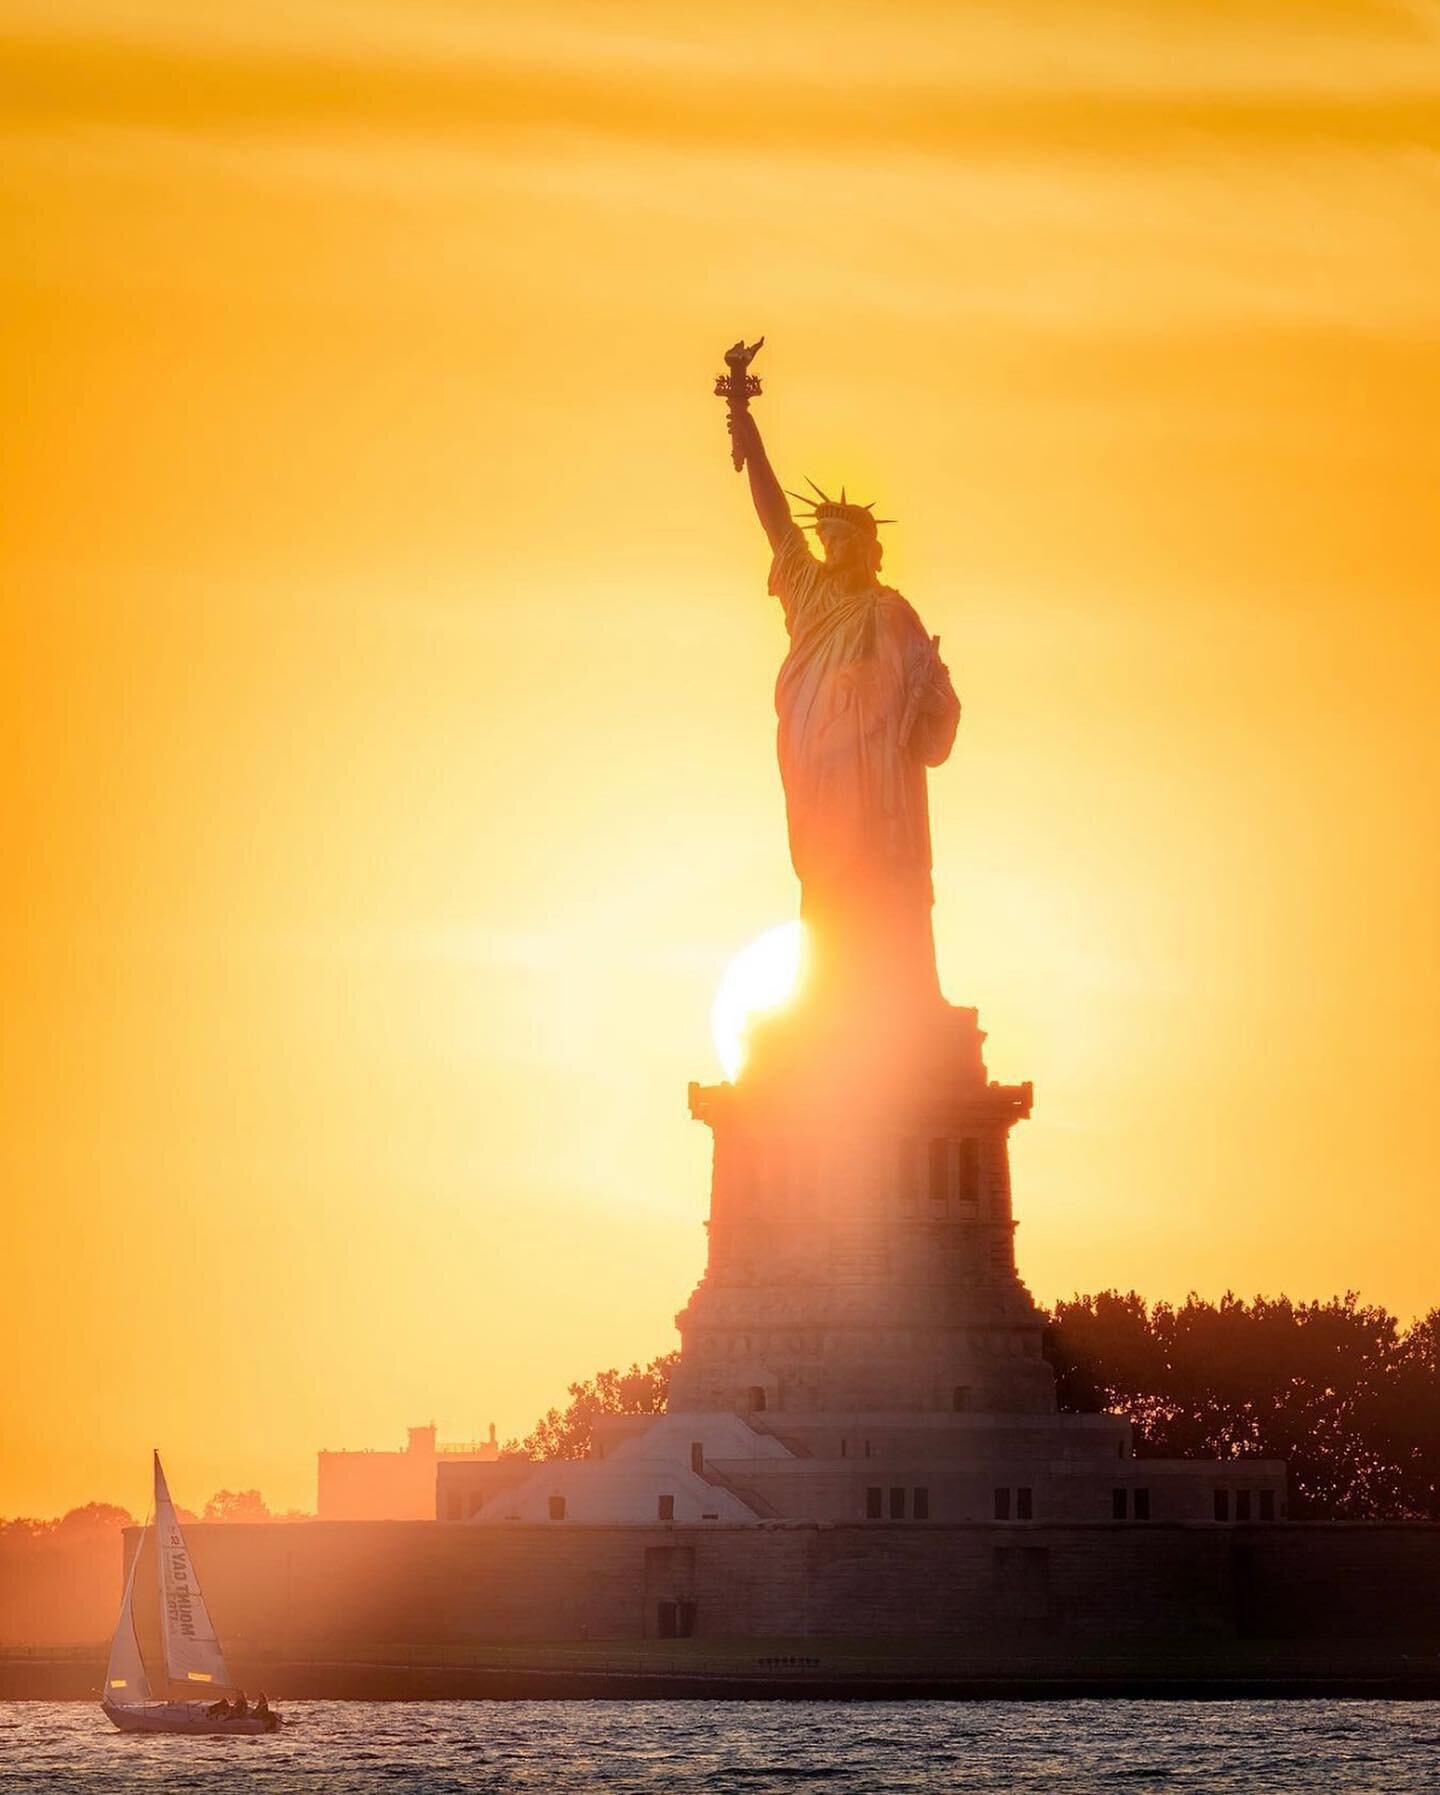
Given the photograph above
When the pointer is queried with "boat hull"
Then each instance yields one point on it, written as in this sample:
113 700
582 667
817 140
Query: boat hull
184 1717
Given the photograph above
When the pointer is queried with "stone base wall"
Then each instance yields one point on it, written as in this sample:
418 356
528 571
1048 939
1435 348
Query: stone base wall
282 1586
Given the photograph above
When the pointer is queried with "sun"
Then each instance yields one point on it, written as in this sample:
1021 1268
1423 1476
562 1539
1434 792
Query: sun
762 977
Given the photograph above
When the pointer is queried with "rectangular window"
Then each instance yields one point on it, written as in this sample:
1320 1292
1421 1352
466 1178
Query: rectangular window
667 1617
1002 1505
897 1505
1222 1505
1242 1505
922 1505
666 1506
1024 1505
1118 1507
874 1500
557 1508
1267 1505
1142 1505
940 1174
905 1176
968 1189
697 1457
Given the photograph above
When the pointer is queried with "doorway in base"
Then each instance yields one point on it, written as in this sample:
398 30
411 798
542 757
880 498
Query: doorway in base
675 1620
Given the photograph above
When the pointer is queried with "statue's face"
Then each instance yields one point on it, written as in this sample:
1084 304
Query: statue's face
843 544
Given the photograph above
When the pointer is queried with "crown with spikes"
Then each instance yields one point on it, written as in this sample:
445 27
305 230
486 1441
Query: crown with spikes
840 509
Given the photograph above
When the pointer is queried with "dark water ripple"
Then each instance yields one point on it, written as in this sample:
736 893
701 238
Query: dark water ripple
748 1748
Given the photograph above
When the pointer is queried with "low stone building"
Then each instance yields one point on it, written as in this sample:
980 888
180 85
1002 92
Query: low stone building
371 1485
696 1468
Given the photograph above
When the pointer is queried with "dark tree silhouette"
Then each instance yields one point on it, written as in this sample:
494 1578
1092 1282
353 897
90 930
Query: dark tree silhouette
60 1580
1335 1388
567 1432
102 1518
1399 1414
236 1505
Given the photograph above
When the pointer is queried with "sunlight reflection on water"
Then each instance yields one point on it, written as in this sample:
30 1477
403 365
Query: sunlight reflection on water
554 1748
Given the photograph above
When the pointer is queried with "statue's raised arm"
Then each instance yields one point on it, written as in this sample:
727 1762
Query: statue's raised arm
738 388
864 707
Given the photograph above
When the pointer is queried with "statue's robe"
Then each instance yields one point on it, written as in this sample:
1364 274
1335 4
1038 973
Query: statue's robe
864 707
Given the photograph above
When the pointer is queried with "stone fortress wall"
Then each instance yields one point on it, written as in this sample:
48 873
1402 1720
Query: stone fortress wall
306 1585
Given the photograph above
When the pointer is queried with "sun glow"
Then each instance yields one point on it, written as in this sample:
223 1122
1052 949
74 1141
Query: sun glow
762 977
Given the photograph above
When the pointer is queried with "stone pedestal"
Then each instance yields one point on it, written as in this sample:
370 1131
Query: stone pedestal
861 1255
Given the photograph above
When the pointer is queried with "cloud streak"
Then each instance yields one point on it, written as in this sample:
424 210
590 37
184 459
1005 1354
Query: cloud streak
977 88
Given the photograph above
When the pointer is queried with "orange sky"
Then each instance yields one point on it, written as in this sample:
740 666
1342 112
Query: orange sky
387 664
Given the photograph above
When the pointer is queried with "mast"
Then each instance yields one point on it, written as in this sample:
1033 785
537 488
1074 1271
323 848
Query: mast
159 1483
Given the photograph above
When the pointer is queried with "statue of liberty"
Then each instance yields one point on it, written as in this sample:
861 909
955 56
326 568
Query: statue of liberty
865 705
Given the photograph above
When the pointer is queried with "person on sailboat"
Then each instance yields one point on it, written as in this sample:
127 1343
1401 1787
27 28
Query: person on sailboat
261 1709
219 1710
238 1709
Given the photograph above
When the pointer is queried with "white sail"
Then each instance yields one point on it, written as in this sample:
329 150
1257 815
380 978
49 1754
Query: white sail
192 1652
125 1679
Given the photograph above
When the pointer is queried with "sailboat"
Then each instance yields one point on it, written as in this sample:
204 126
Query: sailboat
192 1655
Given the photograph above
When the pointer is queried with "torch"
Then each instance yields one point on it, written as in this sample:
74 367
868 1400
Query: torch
737 389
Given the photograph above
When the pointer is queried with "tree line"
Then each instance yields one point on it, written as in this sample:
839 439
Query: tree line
60 1579
1339 1389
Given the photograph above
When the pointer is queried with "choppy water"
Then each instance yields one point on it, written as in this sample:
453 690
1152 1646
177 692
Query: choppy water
760 1748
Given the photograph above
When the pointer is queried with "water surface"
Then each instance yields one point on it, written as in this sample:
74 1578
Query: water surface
760 1748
